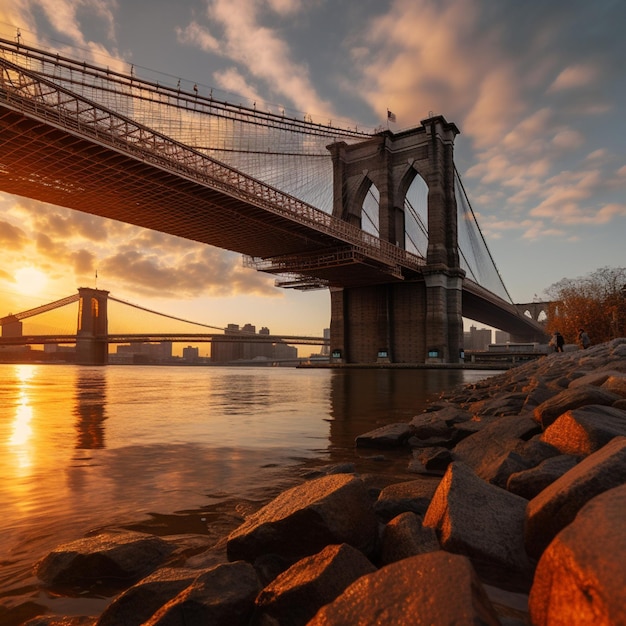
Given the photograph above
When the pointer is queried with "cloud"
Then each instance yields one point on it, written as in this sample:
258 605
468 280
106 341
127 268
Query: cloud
568 139
575 77
12 237
202 272
258 49
232 81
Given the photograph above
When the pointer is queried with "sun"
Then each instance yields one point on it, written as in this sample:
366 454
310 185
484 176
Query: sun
30 280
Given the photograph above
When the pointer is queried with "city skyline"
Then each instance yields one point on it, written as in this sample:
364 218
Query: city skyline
536 90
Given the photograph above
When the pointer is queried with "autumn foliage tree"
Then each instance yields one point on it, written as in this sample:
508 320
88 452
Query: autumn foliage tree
596 302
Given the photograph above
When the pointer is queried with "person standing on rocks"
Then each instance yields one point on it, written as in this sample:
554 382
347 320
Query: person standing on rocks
559 341
583 339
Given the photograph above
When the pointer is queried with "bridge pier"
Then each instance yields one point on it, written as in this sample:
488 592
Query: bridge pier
411 322
92 347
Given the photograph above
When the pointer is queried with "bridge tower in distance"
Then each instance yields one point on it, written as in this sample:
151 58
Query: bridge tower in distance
411 321
92 347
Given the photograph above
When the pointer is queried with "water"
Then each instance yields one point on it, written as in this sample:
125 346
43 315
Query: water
86 447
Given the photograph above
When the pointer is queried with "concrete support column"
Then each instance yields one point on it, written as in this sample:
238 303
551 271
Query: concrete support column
92 347
444 320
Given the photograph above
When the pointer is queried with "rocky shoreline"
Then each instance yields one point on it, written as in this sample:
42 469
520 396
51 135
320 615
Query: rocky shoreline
512 514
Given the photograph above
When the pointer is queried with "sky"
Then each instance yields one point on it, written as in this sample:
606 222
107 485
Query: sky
537 89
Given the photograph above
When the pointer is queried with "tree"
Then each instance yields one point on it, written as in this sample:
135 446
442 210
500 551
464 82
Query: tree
596 302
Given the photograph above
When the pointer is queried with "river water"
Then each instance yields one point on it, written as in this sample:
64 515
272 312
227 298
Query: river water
178 448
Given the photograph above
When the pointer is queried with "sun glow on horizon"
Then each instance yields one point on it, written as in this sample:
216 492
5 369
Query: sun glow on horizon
30 280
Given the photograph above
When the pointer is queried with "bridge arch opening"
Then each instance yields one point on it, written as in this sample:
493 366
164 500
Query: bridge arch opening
368 199
415 213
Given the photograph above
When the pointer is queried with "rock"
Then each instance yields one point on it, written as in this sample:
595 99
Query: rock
538 393
585 430
406 536
530 482
429 425
572 398
616 384
487 450
390 436
222 596
500 470
557 505
503 404
483 522
434 588
297 594
413 495
482 448
436 458
306 518
114 559
535 451
597 378
143 600
448 412
581 578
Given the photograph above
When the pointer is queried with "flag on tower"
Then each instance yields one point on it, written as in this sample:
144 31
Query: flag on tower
391 116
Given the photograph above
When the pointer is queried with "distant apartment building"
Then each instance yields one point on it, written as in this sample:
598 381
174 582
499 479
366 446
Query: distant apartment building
477 339
325 351
190 354
228 351
142 353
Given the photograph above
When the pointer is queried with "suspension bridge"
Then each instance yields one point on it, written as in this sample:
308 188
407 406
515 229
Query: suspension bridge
381 219
96 330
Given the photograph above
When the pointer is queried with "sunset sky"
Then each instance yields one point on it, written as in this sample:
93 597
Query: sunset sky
538 90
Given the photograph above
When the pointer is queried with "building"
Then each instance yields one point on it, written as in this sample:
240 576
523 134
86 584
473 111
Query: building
502 337
142 353
225 351
477 339
190 354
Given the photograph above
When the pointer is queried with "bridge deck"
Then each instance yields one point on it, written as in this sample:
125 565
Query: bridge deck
46 163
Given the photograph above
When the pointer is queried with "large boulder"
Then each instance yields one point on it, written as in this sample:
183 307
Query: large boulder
585 430
222 596
412 495
433 588
483 522
581 578
141 601
406 536
572 398
597 378
296 595
486 451
303 520
487 445
616 384
113 559
529 483
389 436
557 505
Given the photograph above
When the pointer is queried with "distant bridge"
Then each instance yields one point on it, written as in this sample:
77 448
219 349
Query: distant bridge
92 338
293 196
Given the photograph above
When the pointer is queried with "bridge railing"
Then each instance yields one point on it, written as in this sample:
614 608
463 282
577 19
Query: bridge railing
27 92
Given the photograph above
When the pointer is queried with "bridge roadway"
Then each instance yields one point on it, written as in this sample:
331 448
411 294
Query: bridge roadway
60 148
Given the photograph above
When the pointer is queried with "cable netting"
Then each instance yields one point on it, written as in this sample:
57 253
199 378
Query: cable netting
474 254
287 153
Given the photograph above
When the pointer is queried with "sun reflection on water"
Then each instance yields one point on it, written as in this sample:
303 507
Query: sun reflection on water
21 428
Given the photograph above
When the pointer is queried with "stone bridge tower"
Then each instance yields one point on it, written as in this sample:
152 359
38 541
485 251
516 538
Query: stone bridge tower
418 321
92 347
